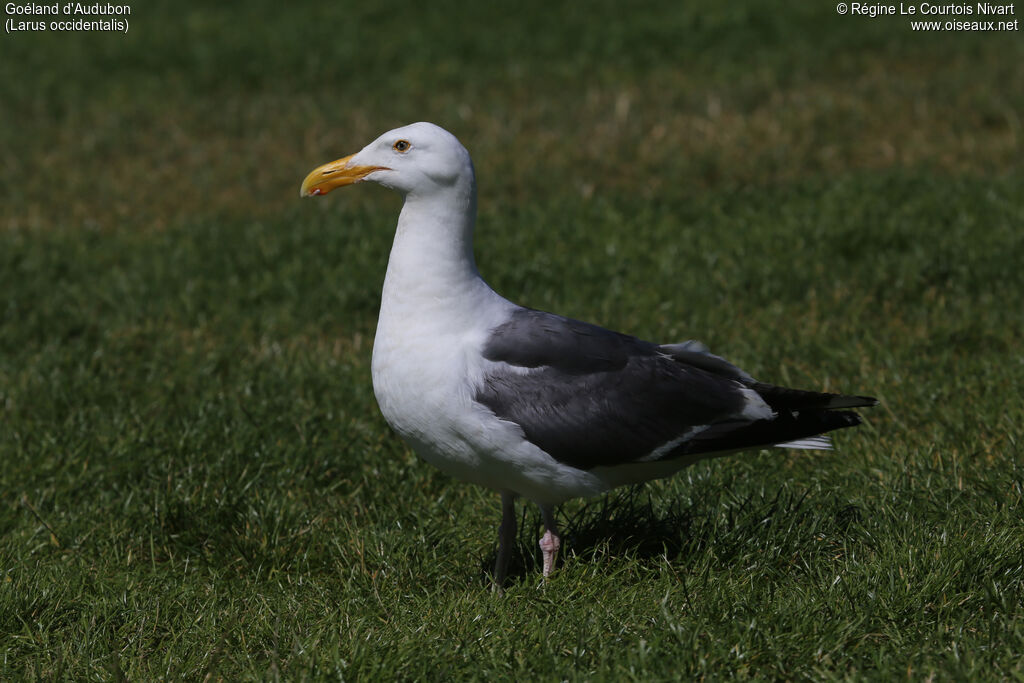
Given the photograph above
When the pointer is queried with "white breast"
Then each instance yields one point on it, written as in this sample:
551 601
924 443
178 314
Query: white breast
422 374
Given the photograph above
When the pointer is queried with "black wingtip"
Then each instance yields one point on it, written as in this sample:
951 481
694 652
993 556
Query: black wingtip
850 419
843 401
784 398
782 429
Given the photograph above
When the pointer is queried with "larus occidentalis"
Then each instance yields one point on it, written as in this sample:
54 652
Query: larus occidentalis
529 403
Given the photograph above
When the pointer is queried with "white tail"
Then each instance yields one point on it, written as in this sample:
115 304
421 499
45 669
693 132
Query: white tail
811 443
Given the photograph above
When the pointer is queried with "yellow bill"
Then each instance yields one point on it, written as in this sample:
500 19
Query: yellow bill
325 178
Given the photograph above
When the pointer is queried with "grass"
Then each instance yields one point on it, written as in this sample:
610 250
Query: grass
196 482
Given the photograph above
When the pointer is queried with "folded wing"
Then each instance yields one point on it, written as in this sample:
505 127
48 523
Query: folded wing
591 397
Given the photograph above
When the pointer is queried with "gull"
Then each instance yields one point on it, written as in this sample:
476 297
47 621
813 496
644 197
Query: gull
533 404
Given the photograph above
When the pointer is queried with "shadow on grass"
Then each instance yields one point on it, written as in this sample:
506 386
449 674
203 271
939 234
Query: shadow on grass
789 527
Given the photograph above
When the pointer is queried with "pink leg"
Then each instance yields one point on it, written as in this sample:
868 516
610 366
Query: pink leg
506 538
550 542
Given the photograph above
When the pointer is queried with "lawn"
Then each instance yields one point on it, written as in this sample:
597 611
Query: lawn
195 481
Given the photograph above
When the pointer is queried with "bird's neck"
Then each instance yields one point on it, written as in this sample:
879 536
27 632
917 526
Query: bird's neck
431 272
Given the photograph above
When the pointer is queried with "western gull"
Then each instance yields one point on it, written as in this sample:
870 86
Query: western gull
530 403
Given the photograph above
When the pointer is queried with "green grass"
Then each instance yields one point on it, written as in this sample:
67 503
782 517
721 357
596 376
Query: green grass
195 482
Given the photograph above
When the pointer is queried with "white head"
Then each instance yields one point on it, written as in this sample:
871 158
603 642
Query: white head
417 159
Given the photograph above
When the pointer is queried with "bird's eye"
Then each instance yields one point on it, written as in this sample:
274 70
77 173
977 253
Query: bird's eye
401 146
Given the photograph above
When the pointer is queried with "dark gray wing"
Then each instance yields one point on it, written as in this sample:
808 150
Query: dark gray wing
589 396
694 353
